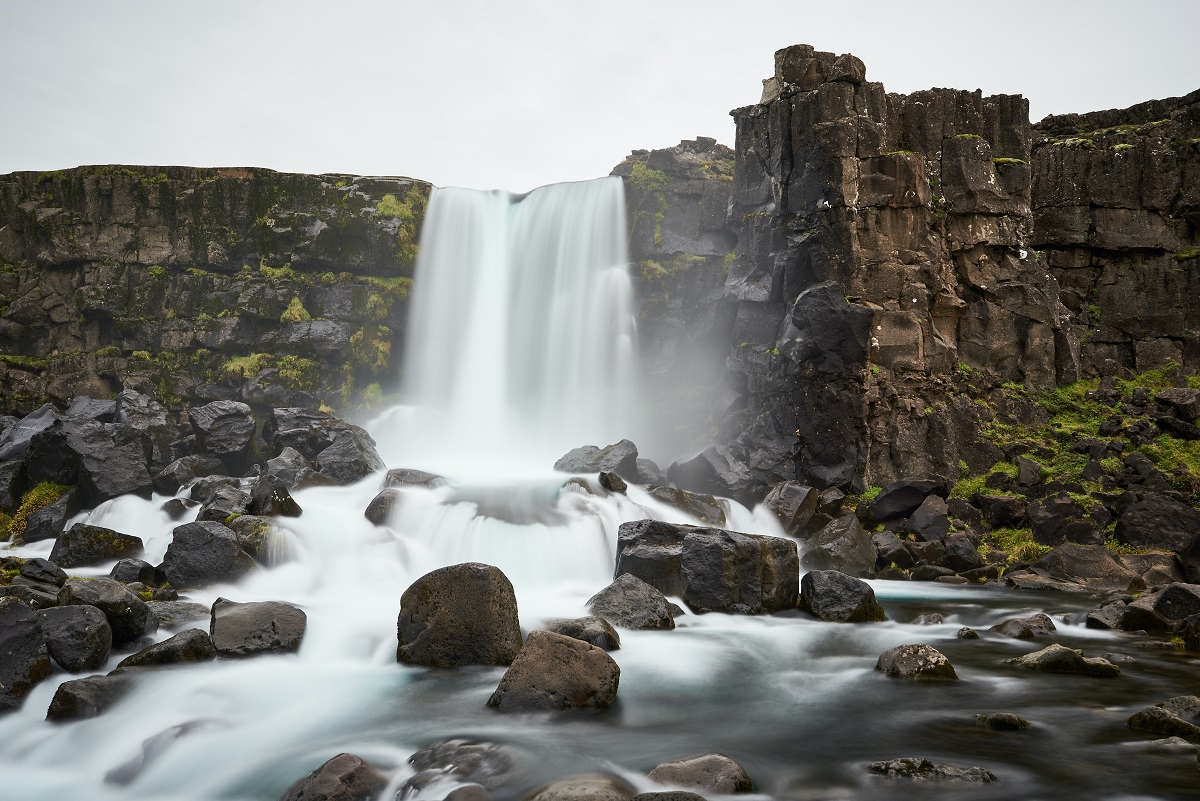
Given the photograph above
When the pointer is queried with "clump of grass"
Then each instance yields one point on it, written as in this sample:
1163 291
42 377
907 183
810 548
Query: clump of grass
39 497
295 312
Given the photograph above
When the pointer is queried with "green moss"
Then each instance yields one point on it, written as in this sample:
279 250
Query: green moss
1187 253
108 350
967 136
649 181
298 373
157 271
373 395
246 366
863 499
1018 543
1121 148
1002 161
652 270
295 312
39 497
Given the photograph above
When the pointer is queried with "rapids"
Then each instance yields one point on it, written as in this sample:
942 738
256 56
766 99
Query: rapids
521 348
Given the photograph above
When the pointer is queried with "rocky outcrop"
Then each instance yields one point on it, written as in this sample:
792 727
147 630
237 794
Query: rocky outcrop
459 615
203 284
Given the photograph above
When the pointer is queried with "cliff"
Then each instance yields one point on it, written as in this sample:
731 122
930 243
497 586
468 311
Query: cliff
203 284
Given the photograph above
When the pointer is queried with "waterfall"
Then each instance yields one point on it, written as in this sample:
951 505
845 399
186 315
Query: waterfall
521 338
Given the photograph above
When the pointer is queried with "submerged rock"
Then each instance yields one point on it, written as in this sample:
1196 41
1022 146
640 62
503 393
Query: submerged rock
459 615
408 477
836 597
919 661
251 629
488 765
1060 659
343 778
633 604
555 672
708 773
921 769
1175 717
1003 721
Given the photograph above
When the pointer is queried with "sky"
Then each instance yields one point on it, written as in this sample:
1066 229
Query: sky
517 94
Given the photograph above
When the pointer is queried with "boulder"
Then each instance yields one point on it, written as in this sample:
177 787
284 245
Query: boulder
252 629
1183 402
305 431
44 571
707 773
291 468
85 545
185 470
1002 721
652 550
585 787
1161 611
14 441
343 778
350 458
204 553
85 453
705 508
890 551
49 521
24 658
258 537
127 614
1060 659
836 597
918 661
619 458
185 647
842 545
78 638
33 594
128 571
921 769
1002 511
408 477
1157 521
225 429
139 411
592 630
176 508
381 506
1025 628
86 698
902 498
554 672
960 554
172 614
633 604
648 472
270 496
716 470
459 615
1094 565
223 501
931 520
1060 519
793 505
1175 717
614 483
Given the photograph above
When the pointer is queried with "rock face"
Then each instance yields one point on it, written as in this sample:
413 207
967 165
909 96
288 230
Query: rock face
283 289
836 597
459 615
713 570
555 672
708 773
343 778
251 629
918 661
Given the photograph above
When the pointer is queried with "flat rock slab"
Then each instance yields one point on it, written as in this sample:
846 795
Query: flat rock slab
459 615
710 773
554 672
343 778
921 769
1060 659
85 545
918 661
253 629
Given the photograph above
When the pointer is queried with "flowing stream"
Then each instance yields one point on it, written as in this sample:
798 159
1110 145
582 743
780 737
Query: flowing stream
521 349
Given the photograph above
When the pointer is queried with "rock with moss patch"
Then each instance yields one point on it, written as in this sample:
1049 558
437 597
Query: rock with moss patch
705 508
258 537
49 521
128 615
84 545
270 496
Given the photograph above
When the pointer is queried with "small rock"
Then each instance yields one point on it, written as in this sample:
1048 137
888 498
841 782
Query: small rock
270 496
554 672
921 769
1003 721
407 477
128 615
343 778
382 505
1060 659
918 661
44 571
171 614
967 633
710 773
131 570
705 508
204 553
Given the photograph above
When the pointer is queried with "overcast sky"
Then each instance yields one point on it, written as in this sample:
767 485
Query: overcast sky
517 94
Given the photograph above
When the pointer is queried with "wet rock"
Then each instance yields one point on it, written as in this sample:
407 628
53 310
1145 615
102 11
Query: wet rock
715 471
350 458
127 614
967 633
24 658
633 604
185 470
258 537
85 545
49 521
86 698
1060 659
204 553
85 453
839 598
139 411
381 506
705 508
921 769
555 672
1025 628
918 661
620 458
794 505
459 615
407 477
708 773
223 502
488 765
592 630
585 787
931 520
43 570
291 468
891 551
902 498
614 483
648 472
652 550
185 647
172 614
1159 522
225 429
78 637
842 545
1003 721
270 496
343 778
253 629
33 594
177 508
14 441
131 570
1175 717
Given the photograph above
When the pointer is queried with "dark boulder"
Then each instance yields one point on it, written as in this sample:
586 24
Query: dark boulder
1094 565
1002 511
308 432
49 521
224 500
592 630
44 571
127 614
931 520
707 773
185 470
252 629
177 508
919 661
1183 402
270 496
24 658
1162 611
891 551
794 505
1175 717
1025 628
380 509
714 471
652 550
1060 659
343 778
555 672
705 508
85 545
633 604
408 477
14 441
459 615
225 429
185 647
102 411
86 698
139 411
128 571
836 597
619 458
85 453
648 472
842 545
921 769
78 637
350 458
203 553
1157 521
291 468
960 554
902 498
1059 520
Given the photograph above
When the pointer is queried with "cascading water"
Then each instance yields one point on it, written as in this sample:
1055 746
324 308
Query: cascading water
520 349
